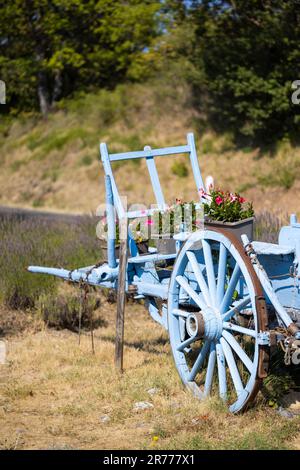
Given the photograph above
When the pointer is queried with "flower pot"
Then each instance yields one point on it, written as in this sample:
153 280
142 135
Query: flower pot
236 228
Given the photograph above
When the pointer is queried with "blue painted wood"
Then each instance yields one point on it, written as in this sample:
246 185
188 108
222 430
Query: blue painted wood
194 161
154 179
221 274
221 372
263 248
108 171
151 258
210 370
151 289
149 154
111 232
285 286
219 338
115 157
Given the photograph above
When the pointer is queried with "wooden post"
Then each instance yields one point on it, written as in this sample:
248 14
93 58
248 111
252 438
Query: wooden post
121 296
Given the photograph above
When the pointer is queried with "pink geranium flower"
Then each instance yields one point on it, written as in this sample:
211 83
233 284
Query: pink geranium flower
219 200
233 198
149 222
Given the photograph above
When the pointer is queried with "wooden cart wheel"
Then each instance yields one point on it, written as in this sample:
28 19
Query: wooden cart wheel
216 313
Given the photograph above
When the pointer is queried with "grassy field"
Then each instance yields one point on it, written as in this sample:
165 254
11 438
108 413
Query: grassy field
54 163
56 394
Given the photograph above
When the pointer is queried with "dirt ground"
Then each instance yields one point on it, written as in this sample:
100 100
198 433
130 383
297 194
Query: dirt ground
55 394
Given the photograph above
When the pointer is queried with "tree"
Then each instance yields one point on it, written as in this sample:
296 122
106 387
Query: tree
249 53
49 48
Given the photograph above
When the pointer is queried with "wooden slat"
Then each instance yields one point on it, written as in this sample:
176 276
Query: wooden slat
154 179
121 298
114 157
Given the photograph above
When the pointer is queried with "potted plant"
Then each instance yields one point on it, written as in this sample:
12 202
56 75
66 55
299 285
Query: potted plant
180 216
229 211
223 209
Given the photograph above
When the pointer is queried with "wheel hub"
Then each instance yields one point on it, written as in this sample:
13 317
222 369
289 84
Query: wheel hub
205 324
195 325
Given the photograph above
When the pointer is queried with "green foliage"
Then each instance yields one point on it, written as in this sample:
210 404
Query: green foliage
180 169
68 310
207 146
49 49
227 207
43 144
240 58
285 178
249 55
280 379
86 160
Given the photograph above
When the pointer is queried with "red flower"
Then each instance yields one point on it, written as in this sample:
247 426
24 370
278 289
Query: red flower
242 199
219 200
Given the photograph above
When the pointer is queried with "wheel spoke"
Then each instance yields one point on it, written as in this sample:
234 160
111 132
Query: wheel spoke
239 351
210 272
188 289
239 329
186 343
182 330
235 309
199 276
210 369
221 372
221 273
227 299
238 385
180 313
199 361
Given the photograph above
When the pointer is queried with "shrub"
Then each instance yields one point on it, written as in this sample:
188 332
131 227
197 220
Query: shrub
86 160
180 169
279 177
69 310
267 226
42 241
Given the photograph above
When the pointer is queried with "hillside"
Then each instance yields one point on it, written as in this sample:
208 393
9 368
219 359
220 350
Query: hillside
53 163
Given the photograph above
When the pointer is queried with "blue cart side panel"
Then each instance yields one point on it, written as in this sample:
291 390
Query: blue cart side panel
279 269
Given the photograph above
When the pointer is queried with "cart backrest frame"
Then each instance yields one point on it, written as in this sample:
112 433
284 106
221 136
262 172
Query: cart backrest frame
149 154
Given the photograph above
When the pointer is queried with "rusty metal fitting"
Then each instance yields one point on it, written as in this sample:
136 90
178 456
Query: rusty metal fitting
195 325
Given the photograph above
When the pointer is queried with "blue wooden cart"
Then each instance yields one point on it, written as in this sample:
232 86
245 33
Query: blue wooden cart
225 302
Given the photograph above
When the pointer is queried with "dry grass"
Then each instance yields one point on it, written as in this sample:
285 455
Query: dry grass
54 392
54 164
